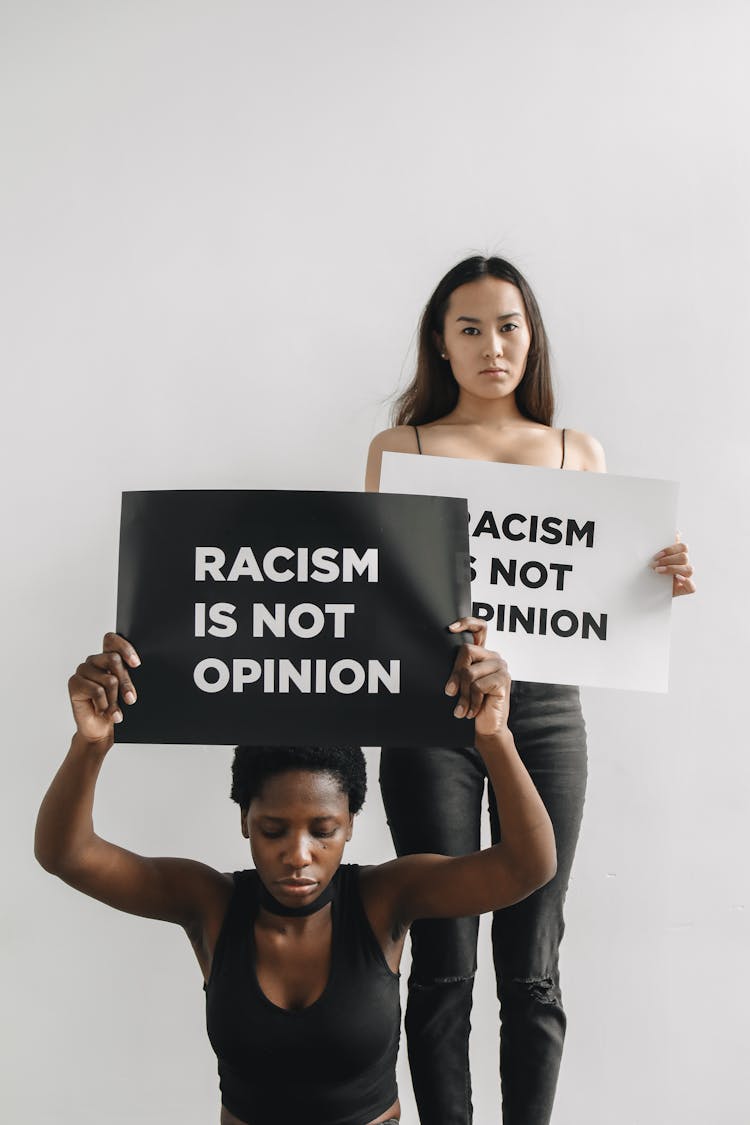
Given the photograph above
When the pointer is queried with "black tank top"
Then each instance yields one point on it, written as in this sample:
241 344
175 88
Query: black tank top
332 1063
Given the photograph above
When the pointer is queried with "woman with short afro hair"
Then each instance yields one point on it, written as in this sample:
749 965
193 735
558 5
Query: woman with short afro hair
300 953
253 764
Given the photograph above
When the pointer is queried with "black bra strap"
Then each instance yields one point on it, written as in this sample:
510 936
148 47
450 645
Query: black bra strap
562 463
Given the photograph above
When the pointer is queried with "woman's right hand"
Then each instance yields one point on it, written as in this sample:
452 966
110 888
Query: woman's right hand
176 890
96 685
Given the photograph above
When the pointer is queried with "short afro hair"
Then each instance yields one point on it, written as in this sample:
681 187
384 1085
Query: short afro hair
253 765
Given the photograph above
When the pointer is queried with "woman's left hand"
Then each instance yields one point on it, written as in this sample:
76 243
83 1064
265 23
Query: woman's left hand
674 560
481 681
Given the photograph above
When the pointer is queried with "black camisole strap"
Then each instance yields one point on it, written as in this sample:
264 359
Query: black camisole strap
562 432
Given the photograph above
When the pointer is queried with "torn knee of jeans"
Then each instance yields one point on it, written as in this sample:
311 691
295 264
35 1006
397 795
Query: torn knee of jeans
424 984
541 989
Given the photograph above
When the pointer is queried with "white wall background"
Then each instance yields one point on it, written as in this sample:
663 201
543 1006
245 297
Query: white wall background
219 222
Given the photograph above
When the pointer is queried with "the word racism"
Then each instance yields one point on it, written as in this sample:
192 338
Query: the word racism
533 574
303 620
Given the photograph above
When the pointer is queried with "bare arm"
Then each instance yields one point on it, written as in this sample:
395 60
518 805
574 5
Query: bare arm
584 452
176 890
431 886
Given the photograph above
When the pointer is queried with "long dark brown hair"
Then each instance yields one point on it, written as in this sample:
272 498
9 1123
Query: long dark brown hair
433 392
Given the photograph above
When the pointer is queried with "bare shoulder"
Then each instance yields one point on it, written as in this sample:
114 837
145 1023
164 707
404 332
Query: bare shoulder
163 887
200 893
399 439
381 883
582 451
383 877
384 887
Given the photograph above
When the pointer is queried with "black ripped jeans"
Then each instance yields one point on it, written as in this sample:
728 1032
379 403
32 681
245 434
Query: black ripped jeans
433 801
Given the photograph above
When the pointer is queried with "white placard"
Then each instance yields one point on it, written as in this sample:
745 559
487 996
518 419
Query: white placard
560 563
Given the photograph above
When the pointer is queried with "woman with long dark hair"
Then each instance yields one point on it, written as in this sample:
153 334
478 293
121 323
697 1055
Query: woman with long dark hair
482 391
299 955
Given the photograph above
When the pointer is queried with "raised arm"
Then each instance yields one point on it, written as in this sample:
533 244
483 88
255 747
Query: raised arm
432 886
176 890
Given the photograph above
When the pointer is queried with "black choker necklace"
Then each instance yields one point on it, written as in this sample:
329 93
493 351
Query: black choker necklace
273 906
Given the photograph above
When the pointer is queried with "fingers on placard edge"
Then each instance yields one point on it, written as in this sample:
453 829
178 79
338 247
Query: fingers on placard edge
113 642
475 698
473 691
116 666
82 686
684 570
465 685
473 625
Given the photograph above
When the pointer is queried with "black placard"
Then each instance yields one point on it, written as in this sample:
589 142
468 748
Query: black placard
360 588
